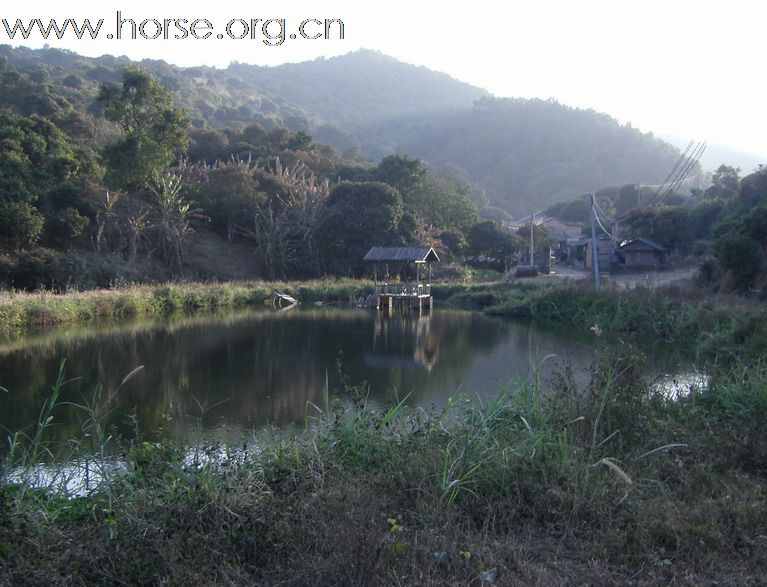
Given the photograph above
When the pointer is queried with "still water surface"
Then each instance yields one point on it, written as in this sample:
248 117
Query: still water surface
229 376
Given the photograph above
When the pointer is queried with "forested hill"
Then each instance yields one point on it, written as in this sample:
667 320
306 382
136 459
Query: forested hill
528 154
521 155
356 89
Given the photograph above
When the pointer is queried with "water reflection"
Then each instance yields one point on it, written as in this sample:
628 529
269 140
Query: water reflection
677 385
228 376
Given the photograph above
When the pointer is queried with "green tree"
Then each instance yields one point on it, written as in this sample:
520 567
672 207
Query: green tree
577 210
492 245
737 253
672 228
66 226
404 174
756 226
431 199
41 173
668 225
207 145
703 217
724 183
231 196
358 216
154 131
21 223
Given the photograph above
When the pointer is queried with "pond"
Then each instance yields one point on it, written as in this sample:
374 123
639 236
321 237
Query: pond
229 376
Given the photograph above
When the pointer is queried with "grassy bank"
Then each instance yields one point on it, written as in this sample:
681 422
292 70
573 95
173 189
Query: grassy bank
21 311
548 484
722 329
551 483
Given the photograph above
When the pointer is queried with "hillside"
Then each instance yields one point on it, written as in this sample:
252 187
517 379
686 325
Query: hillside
523 154
356 89
527 154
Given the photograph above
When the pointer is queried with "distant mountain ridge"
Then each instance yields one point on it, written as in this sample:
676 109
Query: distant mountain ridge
521 154
349 89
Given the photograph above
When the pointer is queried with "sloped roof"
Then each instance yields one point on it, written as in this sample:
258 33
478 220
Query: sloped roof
402 254
645 241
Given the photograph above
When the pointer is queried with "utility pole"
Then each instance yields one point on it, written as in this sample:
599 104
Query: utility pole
532 249
594 246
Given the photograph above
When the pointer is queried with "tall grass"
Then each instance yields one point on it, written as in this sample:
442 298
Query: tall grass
547 482
22 311
83 463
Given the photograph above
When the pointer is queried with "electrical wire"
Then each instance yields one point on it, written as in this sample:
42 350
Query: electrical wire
596 216
671 173
700 148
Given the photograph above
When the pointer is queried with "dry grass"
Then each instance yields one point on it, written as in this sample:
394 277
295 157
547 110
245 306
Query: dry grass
21 310
543 486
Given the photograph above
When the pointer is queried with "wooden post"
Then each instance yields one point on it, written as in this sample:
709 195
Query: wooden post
417 278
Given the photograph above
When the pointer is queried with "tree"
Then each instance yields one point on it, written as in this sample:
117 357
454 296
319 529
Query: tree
740 240
283 218
153 130
402 173
669 225
173 214
756 226
231 196
492 245
724 183
207 145
41 174
66 226
430 199
672 228
577 210
301 141
358 216
37 156
738 253
21 223
703 217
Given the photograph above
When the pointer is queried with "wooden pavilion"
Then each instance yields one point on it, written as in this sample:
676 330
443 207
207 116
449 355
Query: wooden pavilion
404 287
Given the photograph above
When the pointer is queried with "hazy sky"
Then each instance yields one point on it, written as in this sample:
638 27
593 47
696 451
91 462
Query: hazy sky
679 67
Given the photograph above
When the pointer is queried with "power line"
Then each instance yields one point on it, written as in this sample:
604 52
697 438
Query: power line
596 216
679 161
675 177
683 171
700 148
605 214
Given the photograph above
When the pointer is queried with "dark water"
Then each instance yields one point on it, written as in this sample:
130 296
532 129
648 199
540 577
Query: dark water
228 376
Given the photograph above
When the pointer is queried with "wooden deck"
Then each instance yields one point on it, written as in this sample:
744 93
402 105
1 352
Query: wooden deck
401 296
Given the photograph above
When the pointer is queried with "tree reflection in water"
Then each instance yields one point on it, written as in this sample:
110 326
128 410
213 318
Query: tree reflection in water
240 372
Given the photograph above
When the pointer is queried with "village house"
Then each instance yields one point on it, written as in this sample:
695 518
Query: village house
642 253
